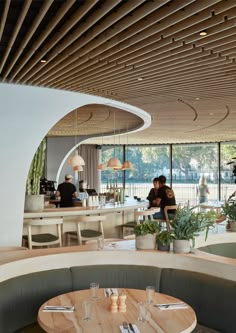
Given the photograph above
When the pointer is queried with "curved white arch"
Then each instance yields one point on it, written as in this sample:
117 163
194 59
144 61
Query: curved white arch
27 114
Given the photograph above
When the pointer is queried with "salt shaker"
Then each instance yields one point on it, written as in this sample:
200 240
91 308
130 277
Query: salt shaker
114 305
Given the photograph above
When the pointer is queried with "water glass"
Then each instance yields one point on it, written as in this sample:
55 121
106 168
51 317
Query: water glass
87 310
142 312
94 286
100 242
150 293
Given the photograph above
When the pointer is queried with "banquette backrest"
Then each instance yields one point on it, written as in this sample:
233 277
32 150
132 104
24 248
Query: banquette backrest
212 298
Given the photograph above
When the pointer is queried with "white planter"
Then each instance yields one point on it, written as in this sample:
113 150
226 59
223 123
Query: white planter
233 226
34 203
181 246
146 242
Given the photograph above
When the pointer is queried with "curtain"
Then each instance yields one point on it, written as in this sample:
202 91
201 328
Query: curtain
90 174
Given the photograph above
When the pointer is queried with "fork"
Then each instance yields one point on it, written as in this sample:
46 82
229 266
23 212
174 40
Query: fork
126 326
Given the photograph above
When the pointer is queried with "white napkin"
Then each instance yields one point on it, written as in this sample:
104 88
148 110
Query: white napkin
58 308
109 291
123 330
171 306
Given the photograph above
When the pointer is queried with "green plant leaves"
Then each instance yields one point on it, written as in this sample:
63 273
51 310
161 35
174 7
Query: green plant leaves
147 227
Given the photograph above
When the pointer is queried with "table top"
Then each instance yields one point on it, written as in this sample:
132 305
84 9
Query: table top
212 204
103 321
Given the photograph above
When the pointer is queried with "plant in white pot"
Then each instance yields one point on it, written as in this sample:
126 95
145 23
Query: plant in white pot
229 210
187 224
145 235
34 200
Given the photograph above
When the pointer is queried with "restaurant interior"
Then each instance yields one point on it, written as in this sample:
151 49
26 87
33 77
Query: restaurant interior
88 76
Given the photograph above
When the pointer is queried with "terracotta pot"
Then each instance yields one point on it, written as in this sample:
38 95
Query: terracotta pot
181 246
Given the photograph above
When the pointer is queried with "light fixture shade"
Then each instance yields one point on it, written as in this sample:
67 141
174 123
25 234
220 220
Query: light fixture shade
76 159
114 163
101 167
127 165
78 168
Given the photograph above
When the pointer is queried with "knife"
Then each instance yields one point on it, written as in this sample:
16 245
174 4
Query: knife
131 327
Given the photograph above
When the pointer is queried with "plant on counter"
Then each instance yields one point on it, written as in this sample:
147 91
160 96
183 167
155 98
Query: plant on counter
33 200
145 235
36 170
187 224
147 227
165 237
229 210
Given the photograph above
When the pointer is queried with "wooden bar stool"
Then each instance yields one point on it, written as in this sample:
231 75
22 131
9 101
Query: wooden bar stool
82 235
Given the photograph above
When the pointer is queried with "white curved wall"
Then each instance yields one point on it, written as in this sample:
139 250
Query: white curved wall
27 114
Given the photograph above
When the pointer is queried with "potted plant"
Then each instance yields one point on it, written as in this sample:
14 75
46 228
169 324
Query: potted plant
145 235
33 200
187 224
229 210
164 239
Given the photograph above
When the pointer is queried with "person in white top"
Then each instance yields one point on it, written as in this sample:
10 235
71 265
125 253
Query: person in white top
202 190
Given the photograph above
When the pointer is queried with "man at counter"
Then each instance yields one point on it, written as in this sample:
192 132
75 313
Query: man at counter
67 191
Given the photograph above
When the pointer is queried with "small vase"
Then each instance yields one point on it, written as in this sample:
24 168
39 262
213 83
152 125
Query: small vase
162 247
145 242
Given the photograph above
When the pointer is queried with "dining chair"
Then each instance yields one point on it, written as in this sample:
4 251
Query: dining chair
92 229
166 220
140 215
34 239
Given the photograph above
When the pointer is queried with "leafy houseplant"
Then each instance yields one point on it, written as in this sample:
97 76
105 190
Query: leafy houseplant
187 224
164 239
33 180
146 234
229 210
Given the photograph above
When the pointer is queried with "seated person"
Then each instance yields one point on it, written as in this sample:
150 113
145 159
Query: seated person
165 197
152 196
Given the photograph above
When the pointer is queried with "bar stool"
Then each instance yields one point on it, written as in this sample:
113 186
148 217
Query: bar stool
43 239
82 235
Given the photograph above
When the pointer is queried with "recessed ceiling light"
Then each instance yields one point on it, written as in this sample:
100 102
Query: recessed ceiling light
197 98
43 60
211 113
203 33
140 78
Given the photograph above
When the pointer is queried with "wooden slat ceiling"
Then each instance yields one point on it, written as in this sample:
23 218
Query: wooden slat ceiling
149 54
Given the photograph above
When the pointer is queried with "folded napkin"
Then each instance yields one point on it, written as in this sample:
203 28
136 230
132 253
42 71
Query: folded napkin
109 291
58 308
123 330
171 306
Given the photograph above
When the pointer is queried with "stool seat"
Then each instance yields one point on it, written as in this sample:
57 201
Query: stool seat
90 233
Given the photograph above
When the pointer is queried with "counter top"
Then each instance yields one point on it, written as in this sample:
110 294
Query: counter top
75 211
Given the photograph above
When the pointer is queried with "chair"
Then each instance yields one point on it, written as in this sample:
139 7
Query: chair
43 239
83 235
138 214
167 220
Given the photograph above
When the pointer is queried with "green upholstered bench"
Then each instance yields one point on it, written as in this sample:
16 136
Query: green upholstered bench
223 249
212 298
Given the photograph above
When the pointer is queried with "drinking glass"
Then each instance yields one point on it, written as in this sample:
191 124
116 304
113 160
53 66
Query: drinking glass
150 292
94 286
142 312
87 310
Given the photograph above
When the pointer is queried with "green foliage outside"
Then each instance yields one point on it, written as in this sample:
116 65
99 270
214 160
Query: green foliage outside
36 170
188 162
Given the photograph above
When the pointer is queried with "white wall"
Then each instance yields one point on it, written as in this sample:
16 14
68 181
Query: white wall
26 115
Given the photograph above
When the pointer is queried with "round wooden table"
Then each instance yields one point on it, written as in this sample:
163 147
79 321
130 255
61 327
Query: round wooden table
103 321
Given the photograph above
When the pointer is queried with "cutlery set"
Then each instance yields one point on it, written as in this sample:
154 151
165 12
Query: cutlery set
59 308
129 328
168 306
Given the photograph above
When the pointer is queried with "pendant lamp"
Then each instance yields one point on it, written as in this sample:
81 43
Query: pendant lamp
114 163
78 168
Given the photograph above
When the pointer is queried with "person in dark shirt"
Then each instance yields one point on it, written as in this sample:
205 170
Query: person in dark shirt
67 191
165 197
152 196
